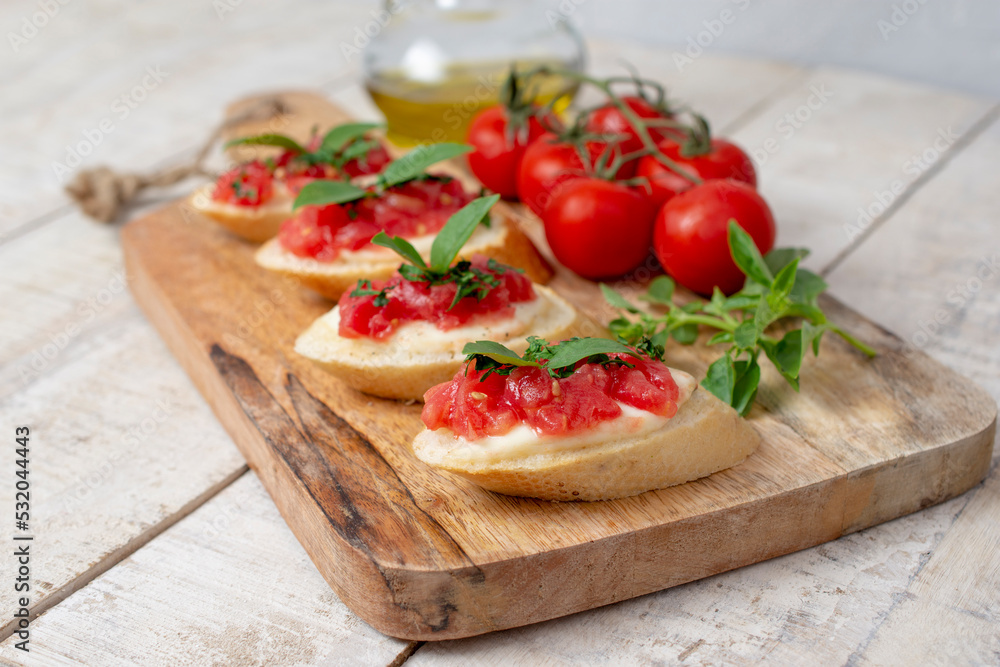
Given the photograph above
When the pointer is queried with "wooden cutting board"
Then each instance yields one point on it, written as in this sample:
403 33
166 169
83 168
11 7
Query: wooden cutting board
425 555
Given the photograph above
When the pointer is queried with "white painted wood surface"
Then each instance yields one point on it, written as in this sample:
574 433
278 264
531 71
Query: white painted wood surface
101 496
229 585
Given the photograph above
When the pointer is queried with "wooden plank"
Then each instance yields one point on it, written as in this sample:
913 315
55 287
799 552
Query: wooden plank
227 585
902 439
921 587
941 246
842 141
121 447
49 276
219 59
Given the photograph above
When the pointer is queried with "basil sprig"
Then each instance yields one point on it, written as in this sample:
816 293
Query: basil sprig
340 145
775 289
406 168
471 281
558 359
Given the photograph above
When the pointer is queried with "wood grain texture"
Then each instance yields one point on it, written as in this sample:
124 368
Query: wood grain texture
942 247
425 555
267 603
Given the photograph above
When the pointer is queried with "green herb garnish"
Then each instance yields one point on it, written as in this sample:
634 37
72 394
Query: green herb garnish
776 289
470 280
558 359
339 146
407 168
365 288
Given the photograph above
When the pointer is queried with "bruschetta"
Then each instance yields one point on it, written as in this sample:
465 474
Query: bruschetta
396 338
585 419
327 244
253 198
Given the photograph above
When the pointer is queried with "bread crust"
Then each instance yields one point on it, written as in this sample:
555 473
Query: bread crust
387 378
253 223
331 279
704 437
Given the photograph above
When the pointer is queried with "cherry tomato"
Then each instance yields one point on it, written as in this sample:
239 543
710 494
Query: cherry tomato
547 163
497 156
691 235
724 160
609 120
599 229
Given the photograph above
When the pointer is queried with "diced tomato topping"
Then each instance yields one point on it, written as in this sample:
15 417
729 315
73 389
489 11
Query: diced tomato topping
415 208
372 163
249 184
474 407
311 231
409 301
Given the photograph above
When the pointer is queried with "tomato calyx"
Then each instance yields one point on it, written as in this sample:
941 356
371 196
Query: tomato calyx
520 108
699 138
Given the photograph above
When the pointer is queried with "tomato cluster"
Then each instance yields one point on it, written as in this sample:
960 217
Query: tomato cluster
611 191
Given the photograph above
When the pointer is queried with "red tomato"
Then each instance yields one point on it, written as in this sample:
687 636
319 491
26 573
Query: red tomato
609 120
599 229
724 160
548 163
497 157
691 234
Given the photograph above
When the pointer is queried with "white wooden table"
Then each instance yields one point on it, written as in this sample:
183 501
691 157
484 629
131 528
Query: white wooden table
156 545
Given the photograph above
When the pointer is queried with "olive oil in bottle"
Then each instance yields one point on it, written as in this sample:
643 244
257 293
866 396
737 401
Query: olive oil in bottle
436 63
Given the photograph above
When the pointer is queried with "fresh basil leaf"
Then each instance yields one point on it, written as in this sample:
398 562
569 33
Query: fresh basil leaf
416 161
784 280
740 301
811 335
720 337
747 256
686 334
808 286
457 231
779 258
279 140
338 137
763 316
497 352
355 150
571 351
660 338
401 247
661 291
323 192
747 372
811 313
745 335
617 300
720 379
788 354
626 329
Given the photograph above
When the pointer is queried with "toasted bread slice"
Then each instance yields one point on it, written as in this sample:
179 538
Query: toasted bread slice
254 223
705 436
502 240
419 356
